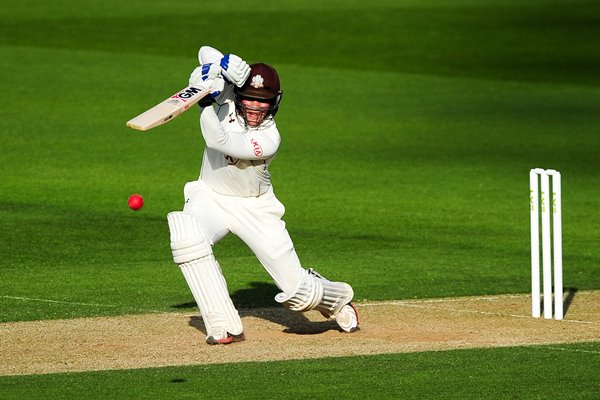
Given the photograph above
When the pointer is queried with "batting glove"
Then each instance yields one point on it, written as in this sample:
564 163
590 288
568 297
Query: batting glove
234 69
208 76
216 86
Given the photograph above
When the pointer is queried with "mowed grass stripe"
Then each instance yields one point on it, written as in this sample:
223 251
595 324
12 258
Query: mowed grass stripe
504 373
540 41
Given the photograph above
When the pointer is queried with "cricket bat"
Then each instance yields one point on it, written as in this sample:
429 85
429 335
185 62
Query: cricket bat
168 109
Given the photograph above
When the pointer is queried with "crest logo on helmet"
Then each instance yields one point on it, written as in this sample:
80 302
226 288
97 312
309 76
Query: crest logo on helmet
257 81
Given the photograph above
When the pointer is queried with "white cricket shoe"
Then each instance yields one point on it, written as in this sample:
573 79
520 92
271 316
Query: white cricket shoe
347 318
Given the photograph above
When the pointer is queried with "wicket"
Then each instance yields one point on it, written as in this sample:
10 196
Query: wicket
549 196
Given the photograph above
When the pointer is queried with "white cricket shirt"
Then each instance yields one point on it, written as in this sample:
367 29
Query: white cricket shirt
236 158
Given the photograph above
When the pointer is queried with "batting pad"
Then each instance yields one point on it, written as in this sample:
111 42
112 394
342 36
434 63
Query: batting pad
187 241
317 293
208 286
203 275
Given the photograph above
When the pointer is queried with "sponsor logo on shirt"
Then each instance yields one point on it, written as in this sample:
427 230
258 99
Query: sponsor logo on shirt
258 151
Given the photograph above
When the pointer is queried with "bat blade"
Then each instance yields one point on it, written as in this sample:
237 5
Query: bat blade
168 109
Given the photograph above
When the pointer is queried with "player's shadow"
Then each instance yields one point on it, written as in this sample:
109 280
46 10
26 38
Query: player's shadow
258 301
567 301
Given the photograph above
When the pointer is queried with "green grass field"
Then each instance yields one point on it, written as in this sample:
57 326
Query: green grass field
506 373
409 128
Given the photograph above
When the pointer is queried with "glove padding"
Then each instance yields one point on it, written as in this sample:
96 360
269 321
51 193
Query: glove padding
208 76
234 69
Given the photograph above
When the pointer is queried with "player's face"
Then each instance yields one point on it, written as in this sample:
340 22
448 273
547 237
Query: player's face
255 111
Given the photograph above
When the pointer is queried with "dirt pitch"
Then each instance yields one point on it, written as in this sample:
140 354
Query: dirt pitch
168 339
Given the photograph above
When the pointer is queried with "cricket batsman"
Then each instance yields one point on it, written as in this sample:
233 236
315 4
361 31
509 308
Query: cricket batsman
234 194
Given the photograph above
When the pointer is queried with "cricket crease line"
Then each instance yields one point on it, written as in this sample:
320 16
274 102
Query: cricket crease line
574 350
459 299
422 304
130 309
444 300
401 303
56 301
574 321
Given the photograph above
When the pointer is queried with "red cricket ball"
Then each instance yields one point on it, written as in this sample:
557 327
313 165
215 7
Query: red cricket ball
135 202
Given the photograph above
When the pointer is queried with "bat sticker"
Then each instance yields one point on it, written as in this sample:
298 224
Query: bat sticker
188 93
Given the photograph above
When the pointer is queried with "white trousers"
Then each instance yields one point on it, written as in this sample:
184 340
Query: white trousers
256 221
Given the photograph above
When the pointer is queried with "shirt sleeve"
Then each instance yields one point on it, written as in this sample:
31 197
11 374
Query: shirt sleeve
251 145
